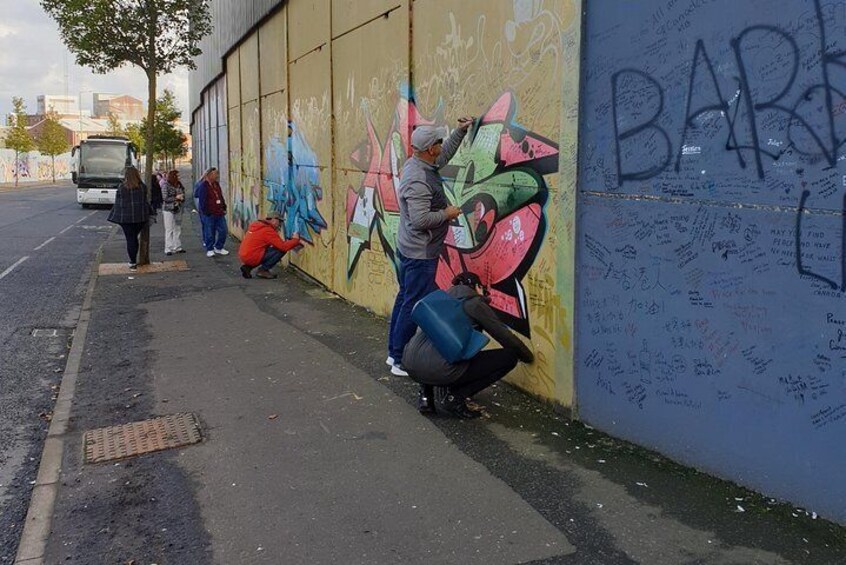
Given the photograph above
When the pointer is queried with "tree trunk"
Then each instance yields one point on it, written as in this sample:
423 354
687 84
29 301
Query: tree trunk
17 167
53 167
144 248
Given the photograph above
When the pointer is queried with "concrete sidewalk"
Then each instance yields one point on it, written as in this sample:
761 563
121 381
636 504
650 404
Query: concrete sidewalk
313 453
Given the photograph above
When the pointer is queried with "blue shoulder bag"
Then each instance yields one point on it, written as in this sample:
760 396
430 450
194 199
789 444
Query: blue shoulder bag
443 320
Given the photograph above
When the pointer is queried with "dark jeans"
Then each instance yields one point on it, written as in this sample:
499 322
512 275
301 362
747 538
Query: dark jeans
214 232
416 279
131 232
271 257
486 368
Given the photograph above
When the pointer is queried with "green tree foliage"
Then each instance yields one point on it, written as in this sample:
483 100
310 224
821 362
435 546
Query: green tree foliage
168 142
155 35
52 141
114 127
18 139
136 136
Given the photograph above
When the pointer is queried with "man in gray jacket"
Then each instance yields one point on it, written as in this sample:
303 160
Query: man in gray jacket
425 215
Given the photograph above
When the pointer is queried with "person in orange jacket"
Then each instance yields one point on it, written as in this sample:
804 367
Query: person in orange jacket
263 248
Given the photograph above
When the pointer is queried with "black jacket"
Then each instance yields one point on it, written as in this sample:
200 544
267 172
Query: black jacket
131 205
425 365
156 194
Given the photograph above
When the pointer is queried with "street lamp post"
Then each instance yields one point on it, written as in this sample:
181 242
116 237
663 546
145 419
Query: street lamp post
79 109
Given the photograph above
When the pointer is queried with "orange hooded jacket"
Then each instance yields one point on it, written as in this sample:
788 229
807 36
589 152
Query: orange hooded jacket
261 235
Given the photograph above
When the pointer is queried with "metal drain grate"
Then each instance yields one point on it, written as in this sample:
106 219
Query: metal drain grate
137 438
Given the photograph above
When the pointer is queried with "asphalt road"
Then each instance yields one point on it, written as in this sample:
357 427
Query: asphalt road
47 245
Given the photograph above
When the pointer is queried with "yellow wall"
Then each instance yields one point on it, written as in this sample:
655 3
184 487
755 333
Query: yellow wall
369 64
351 75
273 88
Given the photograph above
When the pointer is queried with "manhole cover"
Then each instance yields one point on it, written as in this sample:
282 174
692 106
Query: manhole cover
137 438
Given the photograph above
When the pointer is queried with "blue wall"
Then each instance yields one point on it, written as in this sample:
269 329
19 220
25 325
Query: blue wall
711 150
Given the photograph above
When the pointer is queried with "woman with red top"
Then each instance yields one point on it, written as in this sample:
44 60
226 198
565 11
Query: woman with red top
212 208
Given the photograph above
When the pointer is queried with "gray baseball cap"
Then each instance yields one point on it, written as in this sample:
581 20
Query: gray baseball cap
275 216
423 137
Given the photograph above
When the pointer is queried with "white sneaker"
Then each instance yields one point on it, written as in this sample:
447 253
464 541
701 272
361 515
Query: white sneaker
209 253
398 371
389 361
221 252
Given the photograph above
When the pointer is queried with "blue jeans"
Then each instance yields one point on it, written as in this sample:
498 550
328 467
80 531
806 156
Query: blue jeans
271 257
416 279
214 232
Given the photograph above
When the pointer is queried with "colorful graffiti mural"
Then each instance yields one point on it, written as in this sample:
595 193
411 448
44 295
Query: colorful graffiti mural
243 211
496 179
32 166
296 190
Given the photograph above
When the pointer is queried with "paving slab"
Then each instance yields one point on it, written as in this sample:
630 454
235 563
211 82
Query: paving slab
309 458
154 267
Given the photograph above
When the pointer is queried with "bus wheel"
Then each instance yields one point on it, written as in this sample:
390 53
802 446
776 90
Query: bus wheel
85 206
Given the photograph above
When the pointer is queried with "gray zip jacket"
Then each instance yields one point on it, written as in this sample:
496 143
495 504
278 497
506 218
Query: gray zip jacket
423 223
425 365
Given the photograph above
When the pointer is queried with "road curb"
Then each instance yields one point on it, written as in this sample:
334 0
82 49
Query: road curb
35 186
39 517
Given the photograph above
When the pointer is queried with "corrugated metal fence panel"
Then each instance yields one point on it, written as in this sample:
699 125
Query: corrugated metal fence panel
232 20
707 129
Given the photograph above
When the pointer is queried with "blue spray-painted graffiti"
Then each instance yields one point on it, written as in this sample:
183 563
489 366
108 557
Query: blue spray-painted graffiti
294 184
712 246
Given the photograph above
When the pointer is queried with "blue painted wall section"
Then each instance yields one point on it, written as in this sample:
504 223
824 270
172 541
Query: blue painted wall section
293 184
712 238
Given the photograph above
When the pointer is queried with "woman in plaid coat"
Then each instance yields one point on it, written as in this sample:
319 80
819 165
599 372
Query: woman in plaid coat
173 198
131 211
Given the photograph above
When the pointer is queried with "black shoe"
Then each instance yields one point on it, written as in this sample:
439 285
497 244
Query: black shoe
451 405
168 253
246 272
426 399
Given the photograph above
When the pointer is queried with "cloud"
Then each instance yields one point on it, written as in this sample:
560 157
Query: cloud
6 30
33 61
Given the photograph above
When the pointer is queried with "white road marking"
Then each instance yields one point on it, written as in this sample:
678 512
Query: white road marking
12 268
43 244
85 217
66 229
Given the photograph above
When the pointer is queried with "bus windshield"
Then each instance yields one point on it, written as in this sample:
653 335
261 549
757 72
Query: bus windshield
103 159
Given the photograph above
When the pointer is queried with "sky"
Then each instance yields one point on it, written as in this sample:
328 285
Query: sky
33 61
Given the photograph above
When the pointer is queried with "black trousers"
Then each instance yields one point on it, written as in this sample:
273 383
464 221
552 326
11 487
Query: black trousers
131 232
486 368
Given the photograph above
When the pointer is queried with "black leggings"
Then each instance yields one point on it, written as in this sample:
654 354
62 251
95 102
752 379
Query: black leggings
486 368
132 231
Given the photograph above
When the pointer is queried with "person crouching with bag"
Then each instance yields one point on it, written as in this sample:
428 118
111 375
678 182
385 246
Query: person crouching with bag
444 386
